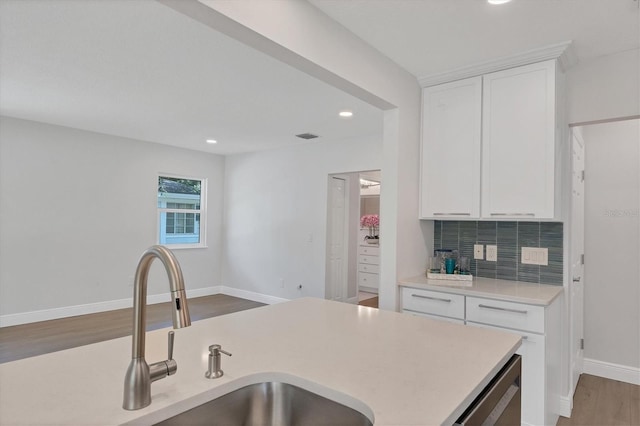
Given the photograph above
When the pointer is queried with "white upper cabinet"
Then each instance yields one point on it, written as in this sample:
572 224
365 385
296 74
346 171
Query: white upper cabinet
518 142
450 157
489 146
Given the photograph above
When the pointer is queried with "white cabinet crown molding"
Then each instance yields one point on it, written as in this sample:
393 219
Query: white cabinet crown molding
563 52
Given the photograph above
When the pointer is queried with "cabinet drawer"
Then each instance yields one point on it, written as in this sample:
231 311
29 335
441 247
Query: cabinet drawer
506 314
372 260
365 267
366 279
435 317
433 302
371 251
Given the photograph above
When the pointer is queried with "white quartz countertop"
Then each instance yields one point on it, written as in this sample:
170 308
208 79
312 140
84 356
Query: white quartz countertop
512 291
396 369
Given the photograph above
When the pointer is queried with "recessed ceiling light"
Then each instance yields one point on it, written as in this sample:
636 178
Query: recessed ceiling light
345 114
498 1
212 141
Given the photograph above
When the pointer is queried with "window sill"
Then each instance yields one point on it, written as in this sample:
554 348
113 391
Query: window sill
184 246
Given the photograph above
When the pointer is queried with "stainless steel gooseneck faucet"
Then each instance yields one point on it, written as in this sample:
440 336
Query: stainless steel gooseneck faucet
137 382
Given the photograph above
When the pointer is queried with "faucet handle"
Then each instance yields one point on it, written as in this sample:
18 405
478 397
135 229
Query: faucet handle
171 339
160 370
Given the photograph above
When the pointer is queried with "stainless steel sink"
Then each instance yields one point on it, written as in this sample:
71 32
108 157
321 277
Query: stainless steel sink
270 404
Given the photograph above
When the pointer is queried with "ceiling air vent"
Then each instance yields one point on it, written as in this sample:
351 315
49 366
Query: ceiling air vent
307 136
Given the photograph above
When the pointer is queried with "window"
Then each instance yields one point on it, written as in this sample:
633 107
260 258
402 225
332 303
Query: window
181 211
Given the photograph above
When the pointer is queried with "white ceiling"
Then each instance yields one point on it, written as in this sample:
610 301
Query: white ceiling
141 70
428 37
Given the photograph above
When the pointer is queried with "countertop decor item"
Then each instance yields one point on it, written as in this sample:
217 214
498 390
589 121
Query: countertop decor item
371 221
449 277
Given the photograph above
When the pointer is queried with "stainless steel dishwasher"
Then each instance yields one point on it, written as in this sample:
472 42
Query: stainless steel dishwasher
499 402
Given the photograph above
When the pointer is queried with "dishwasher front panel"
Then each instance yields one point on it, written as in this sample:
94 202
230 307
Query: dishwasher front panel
499 402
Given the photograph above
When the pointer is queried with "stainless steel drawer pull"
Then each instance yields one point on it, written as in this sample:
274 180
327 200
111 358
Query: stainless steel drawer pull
431 298
514 214
517 311
452 214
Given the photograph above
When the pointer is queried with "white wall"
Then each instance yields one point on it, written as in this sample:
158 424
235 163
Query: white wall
77 209
314 43
604 87
612 239
354 233
276 214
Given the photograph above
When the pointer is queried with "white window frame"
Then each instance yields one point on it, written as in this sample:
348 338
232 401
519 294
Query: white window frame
202 211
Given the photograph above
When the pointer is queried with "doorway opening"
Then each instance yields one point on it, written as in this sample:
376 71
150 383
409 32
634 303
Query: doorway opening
604 248
353 238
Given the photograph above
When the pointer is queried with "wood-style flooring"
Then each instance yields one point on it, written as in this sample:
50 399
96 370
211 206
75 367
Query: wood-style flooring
372 302
27 340
597 402
367 299
603 402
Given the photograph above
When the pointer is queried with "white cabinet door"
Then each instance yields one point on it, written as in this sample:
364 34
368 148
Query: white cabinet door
518 142
534 393
533 376
450 163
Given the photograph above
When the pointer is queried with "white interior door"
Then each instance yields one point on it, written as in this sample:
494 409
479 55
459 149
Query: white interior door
338 227
577 257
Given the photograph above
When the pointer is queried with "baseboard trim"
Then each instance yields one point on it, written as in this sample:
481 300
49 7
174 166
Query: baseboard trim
612 371
111 305
565 405
251 295
92 308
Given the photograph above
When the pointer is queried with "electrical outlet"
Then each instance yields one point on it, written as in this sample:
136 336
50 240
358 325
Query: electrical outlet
281 282
534 256
478 251
492 253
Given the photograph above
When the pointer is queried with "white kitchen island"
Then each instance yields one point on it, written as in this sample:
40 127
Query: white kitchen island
396 369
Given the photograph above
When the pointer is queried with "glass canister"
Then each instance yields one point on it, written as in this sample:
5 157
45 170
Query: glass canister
442 255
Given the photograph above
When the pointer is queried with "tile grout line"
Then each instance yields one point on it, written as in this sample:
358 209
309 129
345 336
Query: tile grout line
540 245
517 249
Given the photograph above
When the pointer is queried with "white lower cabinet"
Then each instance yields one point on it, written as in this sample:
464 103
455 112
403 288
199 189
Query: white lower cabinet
539 327
369 268
532 351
